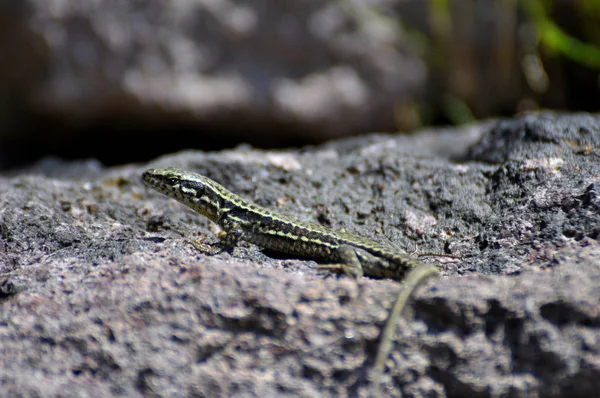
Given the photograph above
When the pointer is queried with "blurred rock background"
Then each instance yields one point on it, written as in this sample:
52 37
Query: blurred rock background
126 81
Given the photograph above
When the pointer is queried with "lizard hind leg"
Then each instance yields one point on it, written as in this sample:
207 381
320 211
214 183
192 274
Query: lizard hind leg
349 263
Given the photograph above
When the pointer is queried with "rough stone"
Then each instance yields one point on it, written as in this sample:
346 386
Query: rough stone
103 294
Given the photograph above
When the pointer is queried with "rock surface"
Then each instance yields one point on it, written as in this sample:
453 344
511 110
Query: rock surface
103 294
208 71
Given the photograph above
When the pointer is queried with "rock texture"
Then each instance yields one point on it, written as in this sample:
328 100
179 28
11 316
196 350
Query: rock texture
103 294
226 70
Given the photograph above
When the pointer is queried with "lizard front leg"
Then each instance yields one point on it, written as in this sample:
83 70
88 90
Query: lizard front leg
228 238
232 234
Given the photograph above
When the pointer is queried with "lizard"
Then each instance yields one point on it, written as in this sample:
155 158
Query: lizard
351 254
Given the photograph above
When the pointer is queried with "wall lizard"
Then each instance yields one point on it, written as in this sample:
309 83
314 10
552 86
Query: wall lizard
243 220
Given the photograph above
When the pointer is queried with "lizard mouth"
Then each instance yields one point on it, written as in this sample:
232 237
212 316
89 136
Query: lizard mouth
160 180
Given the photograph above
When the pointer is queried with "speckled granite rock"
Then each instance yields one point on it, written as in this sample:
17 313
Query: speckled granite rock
101 292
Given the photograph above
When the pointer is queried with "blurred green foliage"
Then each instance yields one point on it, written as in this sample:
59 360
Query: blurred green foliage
557 40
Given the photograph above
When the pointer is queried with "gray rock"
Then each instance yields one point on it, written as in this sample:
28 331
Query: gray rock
322 69
102 292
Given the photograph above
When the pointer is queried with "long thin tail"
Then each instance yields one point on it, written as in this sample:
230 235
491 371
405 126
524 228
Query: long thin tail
415 278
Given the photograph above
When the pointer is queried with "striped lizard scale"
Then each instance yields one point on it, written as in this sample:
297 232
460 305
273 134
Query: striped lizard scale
243 220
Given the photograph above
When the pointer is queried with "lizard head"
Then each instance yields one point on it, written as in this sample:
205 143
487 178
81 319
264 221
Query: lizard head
192 189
